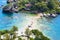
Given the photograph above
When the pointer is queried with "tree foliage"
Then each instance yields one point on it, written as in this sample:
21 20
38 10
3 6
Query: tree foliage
38 5
38 35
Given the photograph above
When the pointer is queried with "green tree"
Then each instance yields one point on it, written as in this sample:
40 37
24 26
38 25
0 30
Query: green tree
39 35
19 38
28 33
21 4
6 36
36 32
42 6
14 29
31 39
13 32
44 38
4 31
52 4
37 38
58 10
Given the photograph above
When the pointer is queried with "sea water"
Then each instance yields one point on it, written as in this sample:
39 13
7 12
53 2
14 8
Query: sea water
50 27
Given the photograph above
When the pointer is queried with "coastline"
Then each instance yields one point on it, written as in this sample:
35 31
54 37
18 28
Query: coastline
32 24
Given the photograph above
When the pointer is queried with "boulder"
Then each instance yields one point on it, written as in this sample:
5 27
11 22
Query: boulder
53 15
7 9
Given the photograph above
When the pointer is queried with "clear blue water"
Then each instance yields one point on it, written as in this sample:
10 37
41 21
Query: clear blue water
54 28
7 21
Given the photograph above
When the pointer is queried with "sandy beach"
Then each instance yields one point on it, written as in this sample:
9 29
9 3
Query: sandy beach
31 25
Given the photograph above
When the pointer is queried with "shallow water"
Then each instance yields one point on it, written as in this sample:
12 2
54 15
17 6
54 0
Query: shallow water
50 27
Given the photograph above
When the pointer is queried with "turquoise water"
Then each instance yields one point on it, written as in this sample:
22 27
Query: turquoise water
51 26
53 30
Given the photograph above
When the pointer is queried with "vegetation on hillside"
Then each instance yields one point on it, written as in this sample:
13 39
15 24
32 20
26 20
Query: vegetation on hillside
41 5
44 6
28 35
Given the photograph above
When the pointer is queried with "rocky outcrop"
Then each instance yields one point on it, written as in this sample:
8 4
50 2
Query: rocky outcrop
7 9
11 8
50 15
10 1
